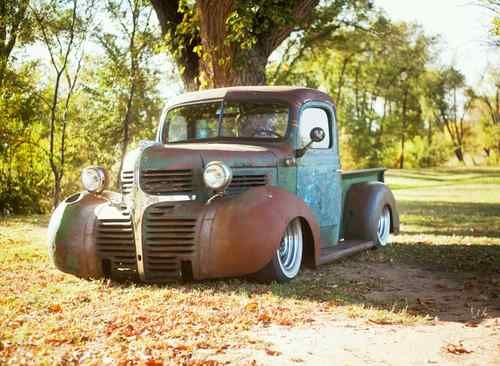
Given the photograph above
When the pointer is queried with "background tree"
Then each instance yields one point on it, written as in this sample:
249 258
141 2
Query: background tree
219 43
374 73
445 89
63 28
15 27
494 7
131 104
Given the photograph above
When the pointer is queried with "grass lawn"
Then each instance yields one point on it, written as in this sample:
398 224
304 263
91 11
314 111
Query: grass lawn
450 226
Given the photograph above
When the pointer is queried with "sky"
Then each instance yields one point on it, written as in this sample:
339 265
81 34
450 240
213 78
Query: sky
462 25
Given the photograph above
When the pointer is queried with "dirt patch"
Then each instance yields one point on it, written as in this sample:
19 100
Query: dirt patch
463 326
351 342
458 297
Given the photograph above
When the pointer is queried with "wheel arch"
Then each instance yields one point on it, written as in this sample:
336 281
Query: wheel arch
241 220
361 200
308 254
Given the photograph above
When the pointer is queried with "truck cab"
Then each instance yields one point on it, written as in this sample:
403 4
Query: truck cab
239 181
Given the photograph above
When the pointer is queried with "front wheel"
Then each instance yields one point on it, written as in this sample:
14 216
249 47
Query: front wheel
286 261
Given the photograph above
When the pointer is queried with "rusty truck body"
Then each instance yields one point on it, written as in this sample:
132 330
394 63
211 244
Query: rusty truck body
239 181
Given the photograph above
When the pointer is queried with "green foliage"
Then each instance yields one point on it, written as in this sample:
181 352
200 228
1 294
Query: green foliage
390 103
93 119
374 76
494 7
24 177
422 154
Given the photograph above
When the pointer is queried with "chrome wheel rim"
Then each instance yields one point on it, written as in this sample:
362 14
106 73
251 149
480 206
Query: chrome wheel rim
290 251
384 227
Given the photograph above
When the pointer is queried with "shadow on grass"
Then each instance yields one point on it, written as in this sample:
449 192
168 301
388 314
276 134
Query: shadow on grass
352 281
468 269
451 218
443 175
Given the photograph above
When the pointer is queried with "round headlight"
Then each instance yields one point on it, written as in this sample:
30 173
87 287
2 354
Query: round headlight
94 179
217 175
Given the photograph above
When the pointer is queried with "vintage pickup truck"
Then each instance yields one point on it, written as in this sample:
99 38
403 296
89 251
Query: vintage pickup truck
239 181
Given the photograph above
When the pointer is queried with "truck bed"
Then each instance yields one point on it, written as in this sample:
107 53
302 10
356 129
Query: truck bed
360 176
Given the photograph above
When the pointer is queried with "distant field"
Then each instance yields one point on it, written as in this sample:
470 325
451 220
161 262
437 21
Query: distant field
444 266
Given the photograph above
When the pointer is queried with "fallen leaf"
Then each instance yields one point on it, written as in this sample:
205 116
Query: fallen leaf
129 331
286 322
271 352
252 306
264 317
203 363
55 308
457 349
380 321
57 341
181 347
202 345
153 362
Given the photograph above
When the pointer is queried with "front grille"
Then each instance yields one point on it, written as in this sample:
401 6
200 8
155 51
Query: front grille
241 183
167 181
169 239
127 181
115 245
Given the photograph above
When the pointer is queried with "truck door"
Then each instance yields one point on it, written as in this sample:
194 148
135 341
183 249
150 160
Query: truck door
318 171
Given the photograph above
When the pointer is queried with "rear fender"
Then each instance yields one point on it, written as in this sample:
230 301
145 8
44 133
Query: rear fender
239 235
361 200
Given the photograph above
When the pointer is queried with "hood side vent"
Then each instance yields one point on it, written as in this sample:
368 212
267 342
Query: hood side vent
241 183
167 181
127 181
115 244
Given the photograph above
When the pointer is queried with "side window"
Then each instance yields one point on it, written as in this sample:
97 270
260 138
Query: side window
314 117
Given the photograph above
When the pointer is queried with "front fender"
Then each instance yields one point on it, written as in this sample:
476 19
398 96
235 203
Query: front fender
71 234
239 235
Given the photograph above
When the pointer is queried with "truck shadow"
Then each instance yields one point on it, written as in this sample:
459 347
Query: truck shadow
451 282
445 265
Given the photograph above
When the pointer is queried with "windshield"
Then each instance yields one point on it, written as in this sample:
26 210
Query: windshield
216 119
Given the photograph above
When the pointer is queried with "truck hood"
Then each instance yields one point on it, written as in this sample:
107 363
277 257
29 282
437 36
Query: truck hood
198 155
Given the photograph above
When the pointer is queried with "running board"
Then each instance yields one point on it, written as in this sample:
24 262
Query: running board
344 249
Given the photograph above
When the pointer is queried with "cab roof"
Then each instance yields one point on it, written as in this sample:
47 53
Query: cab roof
292 95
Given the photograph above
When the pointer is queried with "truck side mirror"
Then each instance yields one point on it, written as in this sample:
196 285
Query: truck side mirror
317 134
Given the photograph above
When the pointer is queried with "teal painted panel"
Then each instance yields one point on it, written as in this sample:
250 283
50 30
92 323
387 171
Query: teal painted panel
319 181
318 184
287 178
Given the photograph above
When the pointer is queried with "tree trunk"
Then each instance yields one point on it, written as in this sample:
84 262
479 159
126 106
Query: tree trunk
459 154
126 127
340 83
429 133
403 132
402 157
56 193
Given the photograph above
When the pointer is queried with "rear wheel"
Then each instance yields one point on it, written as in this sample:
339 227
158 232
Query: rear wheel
286 261
384 227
